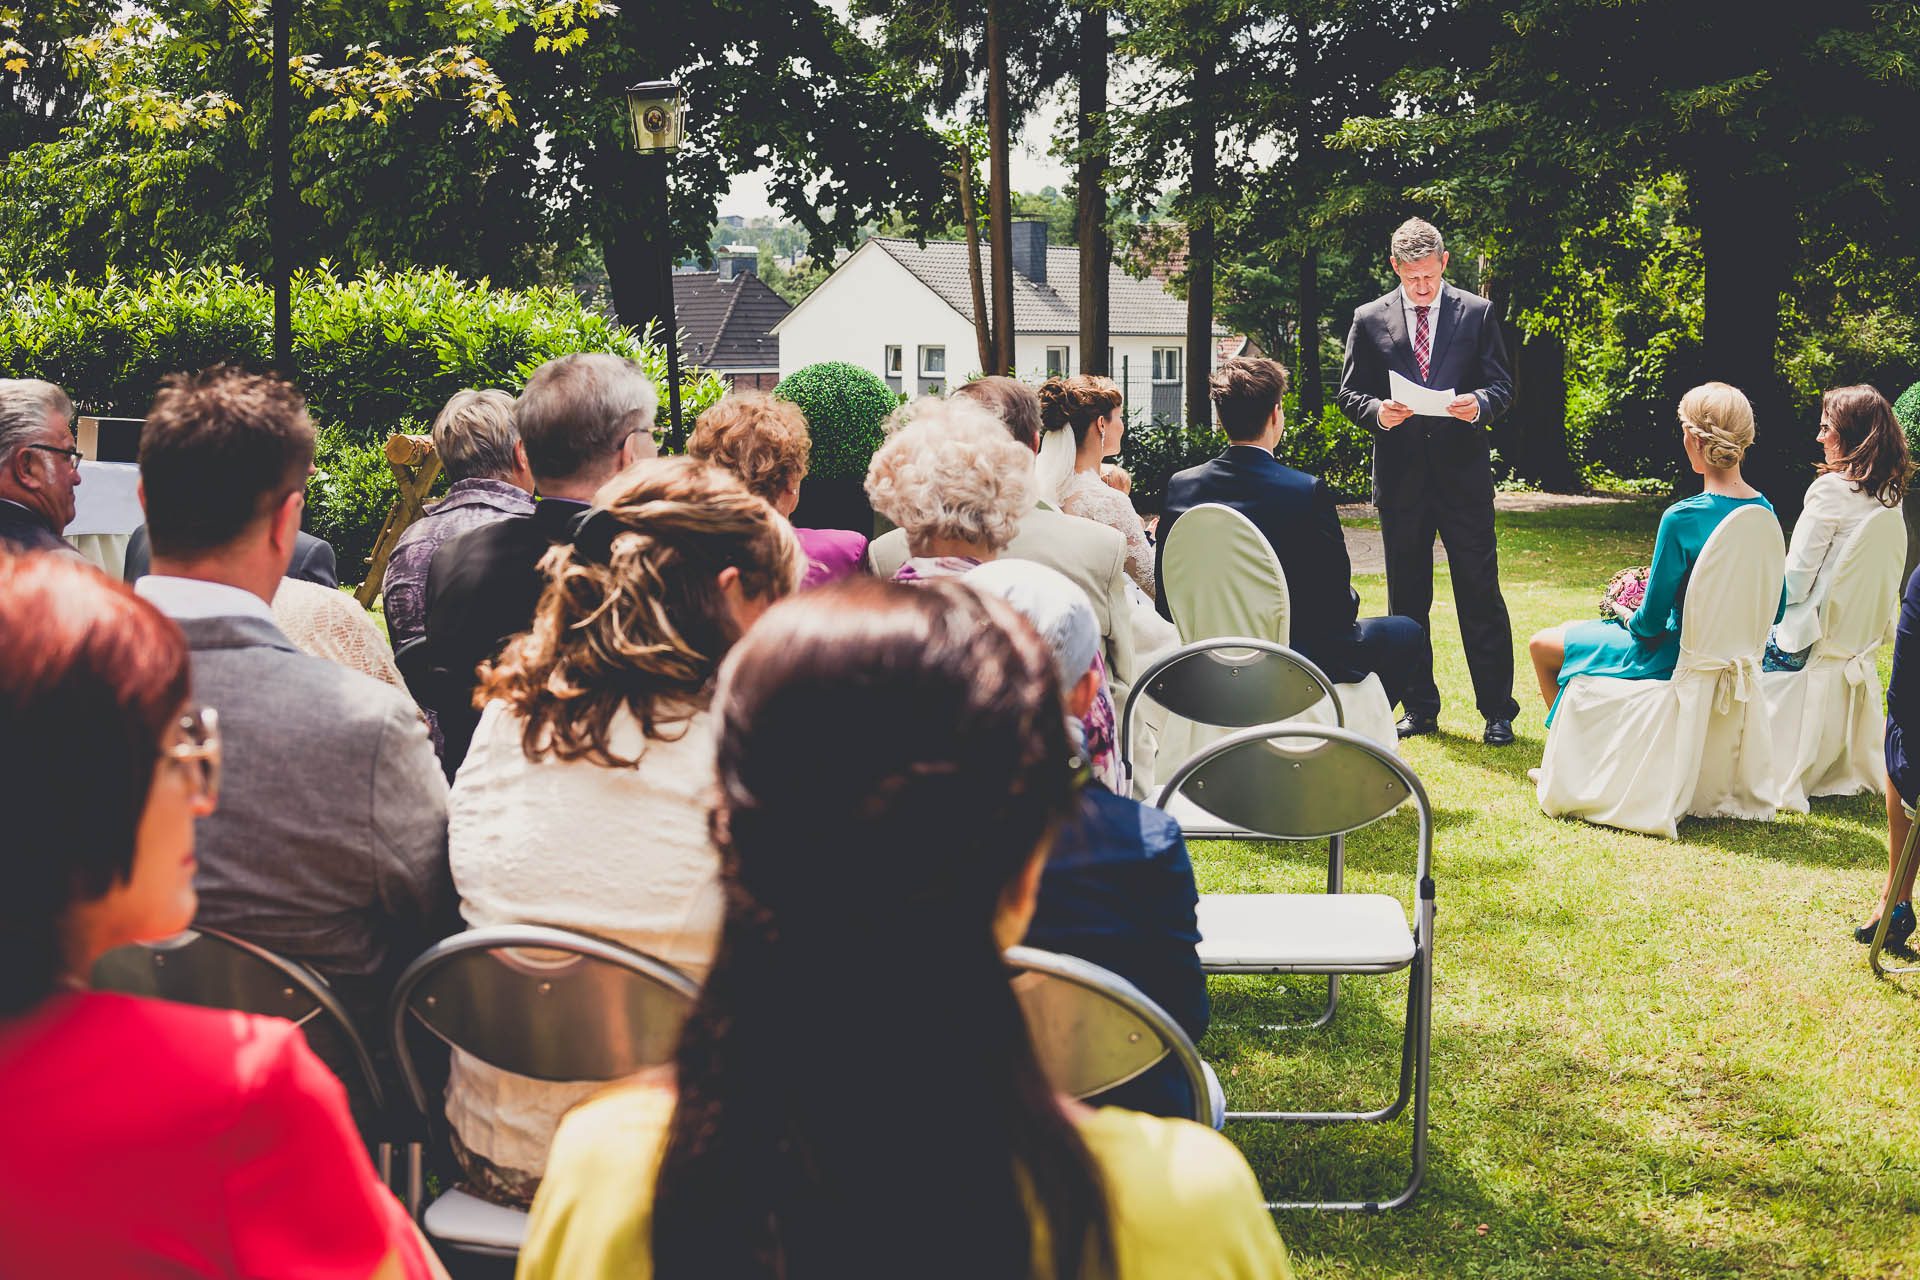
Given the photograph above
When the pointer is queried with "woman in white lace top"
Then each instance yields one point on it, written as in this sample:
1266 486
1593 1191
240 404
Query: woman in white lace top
1089 407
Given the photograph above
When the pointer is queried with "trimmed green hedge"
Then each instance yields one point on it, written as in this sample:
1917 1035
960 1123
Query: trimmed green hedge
376 354
1332 448
1907 410
846 408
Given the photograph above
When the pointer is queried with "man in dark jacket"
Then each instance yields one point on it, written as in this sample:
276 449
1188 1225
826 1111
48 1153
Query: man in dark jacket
39 467
1295 512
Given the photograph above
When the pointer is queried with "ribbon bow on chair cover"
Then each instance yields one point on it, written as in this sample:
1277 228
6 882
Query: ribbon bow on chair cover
1735 679
1855 667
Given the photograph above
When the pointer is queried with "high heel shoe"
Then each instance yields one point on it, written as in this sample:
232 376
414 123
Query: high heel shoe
1899 928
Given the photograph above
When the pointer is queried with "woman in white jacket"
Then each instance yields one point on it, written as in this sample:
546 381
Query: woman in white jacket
1865 469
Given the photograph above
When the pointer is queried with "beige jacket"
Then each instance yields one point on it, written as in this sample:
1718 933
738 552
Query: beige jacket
1092 555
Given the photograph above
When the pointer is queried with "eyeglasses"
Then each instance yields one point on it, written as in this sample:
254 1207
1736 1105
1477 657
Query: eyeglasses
199 754
74 456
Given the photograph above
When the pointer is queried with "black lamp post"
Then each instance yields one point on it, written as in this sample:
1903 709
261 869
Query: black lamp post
659 116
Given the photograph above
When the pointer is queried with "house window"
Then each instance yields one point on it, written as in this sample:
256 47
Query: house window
1059 362
893 362
1166 364
933 362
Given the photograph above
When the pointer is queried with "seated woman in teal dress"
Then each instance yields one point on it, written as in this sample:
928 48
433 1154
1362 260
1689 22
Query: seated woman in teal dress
1716 427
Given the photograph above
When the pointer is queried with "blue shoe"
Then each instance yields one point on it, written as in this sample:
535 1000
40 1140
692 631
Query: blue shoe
1899 928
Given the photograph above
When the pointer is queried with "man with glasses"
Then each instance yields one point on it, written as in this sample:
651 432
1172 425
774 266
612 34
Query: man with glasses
39 467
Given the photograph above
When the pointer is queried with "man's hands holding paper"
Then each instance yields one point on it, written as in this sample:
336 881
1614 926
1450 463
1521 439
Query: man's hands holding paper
1407 397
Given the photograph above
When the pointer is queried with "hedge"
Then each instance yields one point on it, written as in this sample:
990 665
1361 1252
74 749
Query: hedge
376 354
1331 448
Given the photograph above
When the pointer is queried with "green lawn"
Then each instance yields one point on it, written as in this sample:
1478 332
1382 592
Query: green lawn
1650 1058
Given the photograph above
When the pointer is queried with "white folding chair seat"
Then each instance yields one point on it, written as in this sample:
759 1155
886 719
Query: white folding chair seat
1304 933
1641 754
539 1002
1297 782
1829 720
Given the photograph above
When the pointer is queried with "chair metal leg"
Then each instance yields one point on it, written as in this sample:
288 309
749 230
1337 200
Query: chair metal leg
1900 873
383 1157
1389 1112
1336 880
416 1179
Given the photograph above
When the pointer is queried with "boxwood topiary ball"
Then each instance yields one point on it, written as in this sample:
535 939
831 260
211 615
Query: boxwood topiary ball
1907 410
846 408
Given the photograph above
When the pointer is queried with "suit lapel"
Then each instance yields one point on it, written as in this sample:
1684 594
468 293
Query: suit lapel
1451 310
1398 343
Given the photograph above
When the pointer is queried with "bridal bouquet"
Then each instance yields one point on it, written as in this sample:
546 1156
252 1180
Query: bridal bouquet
1627 589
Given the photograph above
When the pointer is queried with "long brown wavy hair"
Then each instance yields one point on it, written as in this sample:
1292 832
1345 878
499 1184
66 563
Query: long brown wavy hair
1875 454
633 615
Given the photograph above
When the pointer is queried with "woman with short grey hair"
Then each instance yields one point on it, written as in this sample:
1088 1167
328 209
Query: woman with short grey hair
956 484
479 446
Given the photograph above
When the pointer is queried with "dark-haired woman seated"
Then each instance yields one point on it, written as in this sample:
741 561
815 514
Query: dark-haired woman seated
855 1094
143 1138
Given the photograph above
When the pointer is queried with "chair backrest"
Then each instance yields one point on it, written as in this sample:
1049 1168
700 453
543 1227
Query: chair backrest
1865 591
219 971
1299 781
1222 579
1093 1030
1233 682
1734 589
542 1002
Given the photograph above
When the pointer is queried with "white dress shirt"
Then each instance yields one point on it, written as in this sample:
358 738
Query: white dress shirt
185 598
1834 509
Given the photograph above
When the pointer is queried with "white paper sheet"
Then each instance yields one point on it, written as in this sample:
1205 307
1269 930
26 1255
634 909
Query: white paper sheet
1422 400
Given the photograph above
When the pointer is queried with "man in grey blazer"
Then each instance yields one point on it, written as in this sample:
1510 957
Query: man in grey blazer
330 842
1090 554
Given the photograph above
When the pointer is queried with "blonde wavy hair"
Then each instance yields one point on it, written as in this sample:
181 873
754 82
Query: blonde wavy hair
762 440
950 470
1720 418
633 615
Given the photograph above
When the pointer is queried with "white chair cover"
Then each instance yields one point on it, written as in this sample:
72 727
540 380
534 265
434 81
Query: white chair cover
1829 722
1641 754
1222 579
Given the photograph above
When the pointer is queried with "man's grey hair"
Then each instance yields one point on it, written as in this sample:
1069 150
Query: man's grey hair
1414 239
25 406
474 435
577 410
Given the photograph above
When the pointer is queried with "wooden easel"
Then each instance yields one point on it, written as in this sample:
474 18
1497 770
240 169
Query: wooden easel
415 467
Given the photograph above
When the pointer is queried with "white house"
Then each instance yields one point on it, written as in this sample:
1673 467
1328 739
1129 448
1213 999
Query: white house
905 311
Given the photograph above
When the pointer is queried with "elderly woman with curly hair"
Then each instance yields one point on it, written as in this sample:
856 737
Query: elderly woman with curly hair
764 441
583 800
955 483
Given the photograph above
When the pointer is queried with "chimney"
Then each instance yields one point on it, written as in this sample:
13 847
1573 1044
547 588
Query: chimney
739 260
1030 248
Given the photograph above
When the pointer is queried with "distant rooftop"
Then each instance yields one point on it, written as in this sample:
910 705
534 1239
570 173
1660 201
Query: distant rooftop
727 321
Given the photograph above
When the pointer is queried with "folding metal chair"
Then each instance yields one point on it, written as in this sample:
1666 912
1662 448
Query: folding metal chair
1093 1030
545 1003
219 971
1308 782
1908 852
1235 682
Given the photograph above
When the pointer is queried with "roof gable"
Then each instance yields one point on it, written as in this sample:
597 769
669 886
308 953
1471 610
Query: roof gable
728 323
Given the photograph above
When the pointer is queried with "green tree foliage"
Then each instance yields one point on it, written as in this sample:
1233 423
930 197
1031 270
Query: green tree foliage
846 408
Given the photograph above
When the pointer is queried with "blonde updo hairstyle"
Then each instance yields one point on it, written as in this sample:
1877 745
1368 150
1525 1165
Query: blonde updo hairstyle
633 615
1720 420
950 470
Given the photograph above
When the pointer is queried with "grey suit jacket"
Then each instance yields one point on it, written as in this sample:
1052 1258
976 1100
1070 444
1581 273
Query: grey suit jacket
1091 554
330 841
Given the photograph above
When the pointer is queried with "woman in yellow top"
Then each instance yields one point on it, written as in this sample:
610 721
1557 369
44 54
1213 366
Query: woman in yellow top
855 1094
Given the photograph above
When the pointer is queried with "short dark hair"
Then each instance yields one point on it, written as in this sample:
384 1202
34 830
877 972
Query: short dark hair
1245 391
220 448
90 675
1010 400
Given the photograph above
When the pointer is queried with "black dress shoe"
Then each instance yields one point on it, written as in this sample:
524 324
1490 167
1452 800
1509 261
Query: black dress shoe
1499 733
1414 726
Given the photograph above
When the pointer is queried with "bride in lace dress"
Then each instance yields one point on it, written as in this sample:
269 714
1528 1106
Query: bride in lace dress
1082 420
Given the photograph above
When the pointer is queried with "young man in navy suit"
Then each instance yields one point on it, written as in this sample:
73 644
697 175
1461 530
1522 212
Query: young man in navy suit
1432 473
1295 513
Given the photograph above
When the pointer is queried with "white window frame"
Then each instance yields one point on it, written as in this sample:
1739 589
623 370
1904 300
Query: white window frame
1065 367
1166 366
895 361
928 372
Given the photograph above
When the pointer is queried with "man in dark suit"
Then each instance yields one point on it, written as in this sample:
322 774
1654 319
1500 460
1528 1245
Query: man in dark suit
1295 513
39 467
312 559
582 419
1432 473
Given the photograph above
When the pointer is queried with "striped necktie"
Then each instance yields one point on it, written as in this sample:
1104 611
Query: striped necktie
1421 338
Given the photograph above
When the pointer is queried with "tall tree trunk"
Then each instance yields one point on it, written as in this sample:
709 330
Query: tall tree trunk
1200 190
999 193
1313 395
1540 410
982 322
1747 240
1091 214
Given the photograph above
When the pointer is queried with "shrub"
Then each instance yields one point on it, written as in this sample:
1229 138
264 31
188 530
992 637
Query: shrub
1907 410
1331 448
375 354
1152 451
846 408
